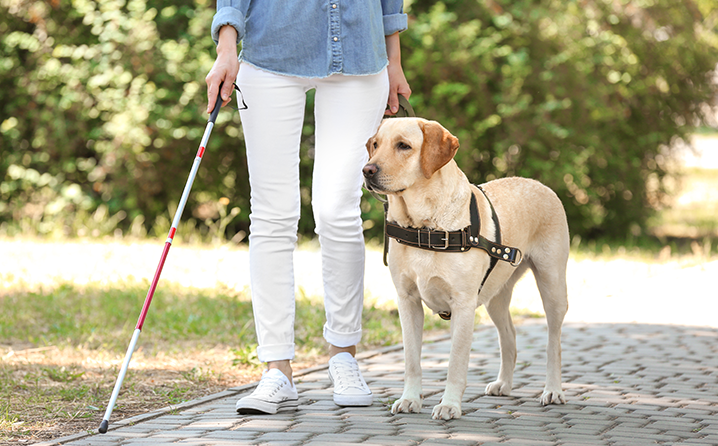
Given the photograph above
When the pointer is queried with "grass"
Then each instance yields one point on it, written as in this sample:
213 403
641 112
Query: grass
61 350
687 225
693 212
61 347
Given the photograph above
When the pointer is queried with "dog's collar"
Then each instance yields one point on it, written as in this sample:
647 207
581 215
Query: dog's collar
457 241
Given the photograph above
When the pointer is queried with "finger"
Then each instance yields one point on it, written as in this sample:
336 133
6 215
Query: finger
226 92
406 92
212 87
393 102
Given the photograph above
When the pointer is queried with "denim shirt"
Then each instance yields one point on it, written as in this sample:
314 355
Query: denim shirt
312 38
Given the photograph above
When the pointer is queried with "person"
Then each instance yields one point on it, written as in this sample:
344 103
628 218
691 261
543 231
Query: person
348 52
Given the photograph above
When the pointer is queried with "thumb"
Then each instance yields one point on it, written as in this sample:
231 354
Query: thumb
393 102
226 91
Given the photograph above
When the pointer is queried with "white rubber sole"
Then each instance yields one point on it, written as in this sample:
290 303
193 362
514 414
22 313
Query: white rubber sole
353 400
251 406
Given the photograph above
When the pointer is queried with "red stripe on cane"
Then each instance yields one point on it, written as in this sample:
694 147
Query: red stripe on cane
153 287
172 233
200 152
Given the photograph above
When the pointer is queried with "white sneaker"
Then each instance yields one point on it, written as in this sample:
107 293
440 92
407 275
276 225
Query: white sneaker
350 389
273 393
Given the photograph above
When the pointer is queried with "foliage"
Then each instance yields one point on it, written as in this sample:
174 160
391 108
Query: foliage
104 103
586 96
102 107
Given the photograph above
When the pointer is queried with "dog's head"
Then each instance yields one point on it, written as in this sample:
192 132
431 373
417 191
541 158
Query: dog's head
405 151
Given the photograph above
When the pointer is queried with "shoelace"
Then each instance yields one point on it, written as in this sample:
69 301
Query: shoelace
270 385
347 375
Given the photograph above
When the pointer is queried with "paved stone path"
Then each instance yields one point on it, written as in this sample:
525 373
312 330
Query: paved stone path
626 384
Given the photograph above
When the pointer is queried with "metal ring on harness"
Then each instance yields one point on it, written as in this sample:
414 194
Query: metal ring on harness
520 256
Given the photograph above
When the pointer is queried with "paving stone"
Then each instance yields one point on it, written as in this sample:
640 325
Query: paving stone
382 440
211 425
265 425
627 384
178 433
571 438
368 431
318 427
448 441
148 442
204 442
94 441
340 438
281 443
273 437
529 442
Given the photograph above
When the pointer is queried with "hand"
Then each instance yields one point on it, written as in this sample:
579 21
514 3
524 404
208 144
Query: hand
225 68
398 84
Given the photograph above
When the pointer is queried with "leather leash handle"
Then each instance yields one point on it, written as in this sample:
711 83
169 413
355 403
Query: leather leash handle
405 109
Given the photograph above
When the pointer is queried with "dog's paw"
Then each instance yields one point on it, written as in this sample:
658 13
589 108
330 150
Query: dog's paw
499 388
446 412
552 397
406 405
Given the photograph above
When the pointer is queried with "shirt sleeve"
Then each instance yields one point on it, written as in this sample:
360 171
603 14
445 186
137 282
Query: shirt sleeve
394 18
230 12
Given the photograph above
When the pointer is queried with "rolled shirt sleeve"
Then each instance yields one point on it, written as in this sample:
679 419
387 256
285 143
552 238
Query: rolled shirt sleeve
230 12
394 18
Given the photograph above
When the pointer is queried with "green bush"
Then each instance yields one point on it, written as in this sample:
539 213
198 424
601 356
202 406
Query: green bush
105 103
586 96
102 107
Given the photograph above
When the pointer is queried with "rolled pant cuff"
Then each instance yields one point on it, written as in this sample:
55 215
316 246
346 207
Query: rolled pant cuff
342 340
277 352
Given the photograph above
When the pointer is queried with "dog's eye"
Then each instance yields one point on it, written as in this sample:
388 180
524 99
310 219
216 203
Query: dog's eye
403 146
375 145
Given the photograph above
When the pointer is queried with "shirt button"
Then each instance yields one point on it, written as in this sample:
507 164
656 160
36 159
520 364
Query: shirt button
335 39
334 6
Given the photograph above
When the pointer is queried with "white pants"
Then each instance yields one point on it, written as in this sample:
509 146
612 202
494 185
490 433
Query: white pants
348 110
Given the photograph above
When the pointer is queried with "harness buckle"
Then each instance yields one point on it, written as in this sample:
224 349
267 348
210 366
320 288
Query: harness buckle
446 242
520 258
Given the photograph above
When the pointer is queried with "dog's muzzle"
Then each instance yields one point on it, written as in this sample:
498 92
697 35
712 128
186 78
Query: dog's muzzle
370 181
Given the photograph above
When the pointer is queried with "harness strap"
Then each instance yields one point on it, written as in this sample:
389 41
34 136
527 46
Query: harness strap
487 247
455 241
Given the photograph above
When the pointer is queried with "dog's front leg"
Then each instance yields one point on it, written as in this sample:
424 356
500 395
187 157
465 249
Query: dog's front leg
411 314
462 329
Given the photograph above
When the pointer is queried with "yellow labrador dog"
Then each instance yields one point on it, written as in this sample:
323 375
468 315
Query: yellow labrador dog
411 161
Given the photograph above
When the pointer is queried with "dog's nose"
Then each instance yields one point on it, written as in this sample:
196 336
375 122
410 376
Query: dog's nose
370 170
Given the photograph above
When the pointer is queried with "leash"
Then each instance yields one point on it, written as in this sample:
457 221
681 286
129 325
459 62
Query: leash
405 111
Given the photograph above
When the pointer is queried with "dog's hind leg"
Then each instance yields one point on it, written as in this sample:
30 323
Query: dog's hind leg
498 309
551 281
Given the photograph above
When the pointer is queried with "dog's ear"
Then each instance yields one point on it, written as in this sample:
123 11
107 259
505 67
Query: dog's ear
439 147
370 145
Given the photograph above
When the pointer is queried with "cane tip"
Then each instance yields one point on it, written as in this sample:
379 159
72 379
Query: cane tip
103 426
